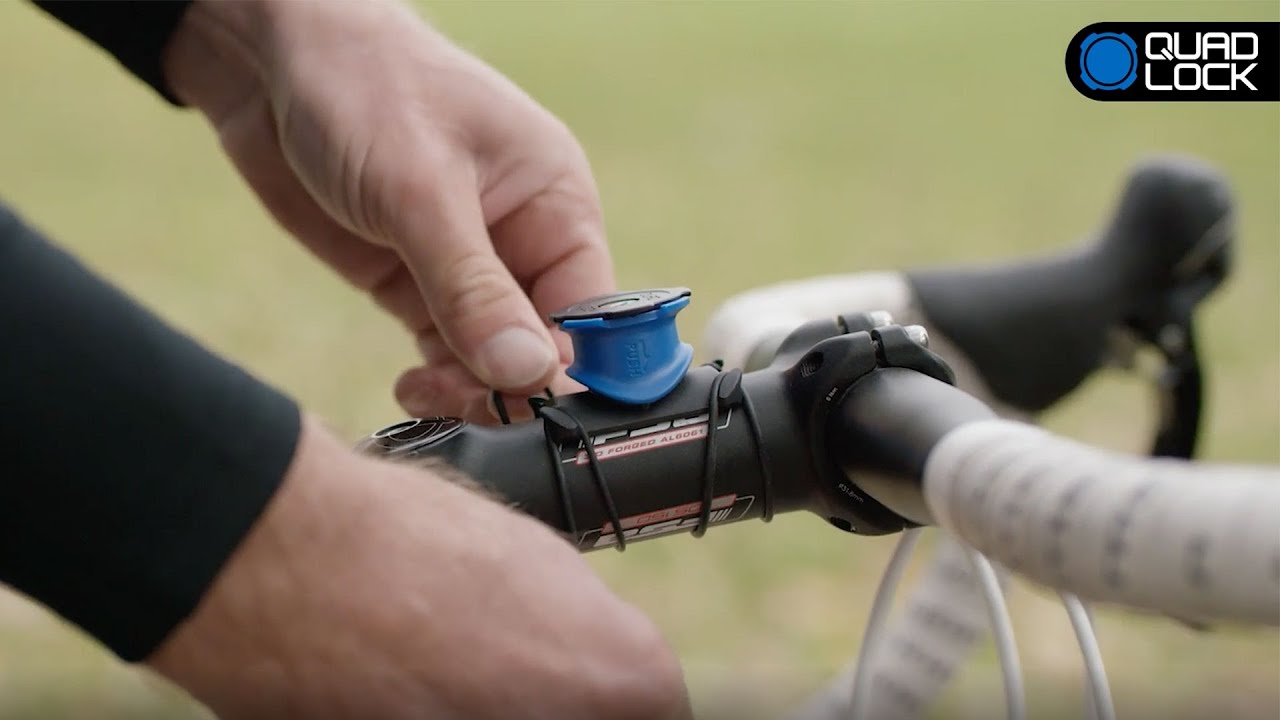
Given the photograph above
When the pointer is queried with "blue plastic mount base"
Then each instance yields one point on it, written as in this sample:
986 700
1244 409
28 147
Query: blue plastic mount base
635 359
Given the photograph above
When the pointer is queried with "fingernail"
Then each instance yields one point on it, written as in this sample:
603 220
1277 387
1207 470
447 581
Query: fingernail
515 358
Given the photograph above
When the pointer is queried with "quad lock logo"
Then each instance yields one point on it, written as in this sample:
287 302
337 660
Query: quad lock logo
1236 61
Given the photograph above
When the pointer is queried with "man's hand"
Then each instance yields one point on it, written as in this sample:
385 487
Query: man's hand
418 172
468 212
372 590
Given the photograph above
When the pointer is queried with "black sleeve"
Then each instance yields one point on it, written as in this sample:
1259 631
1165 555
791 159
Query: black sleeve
134 460
134 31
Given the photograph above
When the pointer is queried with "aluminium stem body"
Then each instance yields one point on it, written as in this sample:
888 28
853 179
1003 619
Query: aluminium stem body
651 457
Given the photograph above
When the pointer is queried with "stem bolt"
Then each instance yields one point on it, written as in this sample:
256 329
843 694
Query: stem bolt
918 334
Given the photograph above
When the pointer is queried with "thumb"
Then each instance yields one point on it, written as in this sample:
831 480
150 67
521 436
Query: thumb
478 307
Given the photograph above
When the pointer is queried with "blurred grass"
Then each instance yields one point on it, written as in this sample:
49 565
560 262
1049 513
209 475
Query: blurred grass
735 145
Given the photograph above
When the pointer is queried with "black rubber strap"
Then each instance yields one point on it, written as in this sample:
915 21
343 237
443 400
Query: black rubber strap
762 457
709 457
564 420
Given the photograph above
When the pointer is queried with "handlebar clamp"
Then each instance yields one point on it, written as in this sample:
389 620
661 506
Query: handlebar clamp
822 377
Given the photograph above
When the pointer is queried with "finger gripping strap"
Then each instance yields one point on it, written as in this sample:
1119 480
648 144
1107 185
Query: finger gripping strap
1194 541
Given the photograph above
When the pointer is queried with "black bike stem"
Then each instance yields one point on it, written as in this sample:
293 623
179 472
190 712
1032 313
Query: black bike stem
771 449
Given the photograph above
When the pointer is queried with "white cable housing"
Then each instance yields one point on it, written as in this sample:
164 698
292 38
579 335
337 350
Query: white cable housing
1099 705
1015 695
765 315
878 621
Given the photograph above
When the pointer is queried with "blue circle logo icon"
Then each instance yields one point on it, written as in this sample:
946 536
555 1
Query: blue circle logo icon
1108 61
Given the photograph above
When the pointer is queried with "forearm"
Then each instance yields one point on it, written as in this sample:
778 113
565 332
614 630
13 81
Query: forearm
380 590
234 653
136 460
263 642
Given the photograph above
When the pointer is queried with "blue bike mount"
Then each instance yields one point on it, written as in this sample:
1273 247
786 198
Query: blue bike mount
625 345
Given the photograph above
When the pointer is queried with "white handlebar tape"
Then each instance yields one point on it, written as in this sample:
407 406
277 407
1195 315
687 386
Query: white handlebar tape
746 321
1191 540
762 317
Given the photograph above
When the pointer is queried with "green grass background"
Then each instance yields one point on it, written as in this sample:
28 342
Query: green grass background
735 144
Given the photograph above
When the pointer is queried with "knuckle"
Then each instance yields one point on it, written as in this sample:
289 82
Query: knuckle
561 131
393 179
475 284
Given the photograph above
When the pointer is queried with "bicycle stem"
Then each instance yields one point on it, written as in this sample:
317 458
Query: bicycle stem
825 416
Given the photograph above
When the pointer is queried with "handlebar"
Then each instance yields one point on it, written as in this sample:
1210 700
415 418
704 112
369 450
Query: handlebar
1025 334
1021 335
1194 541
860 425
